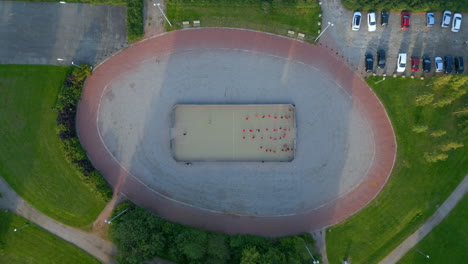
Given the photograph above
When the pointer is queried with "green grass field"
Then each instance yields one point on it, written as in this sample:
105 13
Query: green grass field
31 160
447 243
32 244
415 188
250 16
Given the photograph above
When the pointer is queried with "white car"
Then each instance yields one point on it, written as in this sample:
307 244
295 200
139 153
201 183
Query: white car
401 63
439 64
446 17
356 21
371 22
456 23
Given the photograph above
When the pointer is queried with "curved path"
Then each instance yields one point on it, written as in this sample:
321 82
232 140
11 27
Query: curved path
326 215
432 222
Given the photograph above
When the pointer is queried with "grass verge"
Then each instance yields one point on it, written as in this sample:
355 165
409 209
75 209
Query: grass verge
140 236
135 27
32 244
416 186
269 16
446 243
31 160
415 5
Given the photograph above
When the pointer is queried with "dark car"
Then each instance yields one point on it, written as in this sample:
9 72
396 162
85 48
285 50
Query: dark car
369 62
384 18
459 67
414 64
426 64
448 64
405 20
381 59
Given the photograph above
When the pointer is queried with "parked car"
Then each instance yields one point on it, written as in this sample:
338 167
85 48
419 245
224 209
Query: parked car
448 64
456 23
371 21
459 66
401 63
426 64
430 19
381 59
384 18
414 64
356 21
446 17
439 67
405 20
369 62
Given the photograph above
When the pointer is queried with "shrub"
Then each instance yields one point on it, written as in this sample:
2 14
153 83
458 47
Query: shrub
66 130
135 28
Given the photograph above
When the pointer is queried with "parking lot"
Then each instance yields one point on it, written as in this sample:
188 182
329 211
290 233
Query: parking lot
418 40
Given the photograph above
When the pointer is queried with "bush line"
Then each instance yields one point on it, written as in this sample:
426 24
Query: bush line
135 26
414 5
141 236
66 129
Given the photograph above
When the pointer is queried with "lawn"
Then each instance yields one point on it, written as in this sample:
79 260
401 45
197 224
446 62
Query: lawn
32 244
31 160
277 19
416 187
447 243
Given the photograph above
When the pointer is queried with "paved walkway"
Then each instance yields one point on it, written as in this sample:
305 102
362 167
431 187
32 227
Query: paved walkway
432 222
101 249
39 33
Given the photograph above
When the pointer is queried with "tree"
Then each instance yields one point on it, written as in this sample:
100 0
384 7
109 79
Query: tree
420 128
217 247
250 255
451 145
438 133
424 99
434 156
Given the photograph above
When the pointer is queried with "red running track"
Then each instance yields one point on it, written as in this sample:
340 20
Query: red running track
327 215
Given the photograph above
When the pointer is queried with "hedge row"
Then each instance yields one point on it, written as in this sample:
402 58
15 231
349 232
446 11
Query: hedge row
413 5
141 236
135 27
278 3
66 128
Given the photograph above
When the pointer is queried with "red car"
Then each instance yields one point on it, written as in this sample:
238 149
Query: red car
405 19
414 64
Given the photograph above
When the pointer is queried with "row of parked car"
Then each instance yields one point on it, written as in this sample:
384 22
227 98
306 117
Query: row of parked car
449 64
405 20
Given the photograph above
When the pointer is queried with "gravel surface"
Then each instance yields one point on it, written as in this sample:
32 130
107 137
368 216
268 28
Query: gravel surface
334 144
418 41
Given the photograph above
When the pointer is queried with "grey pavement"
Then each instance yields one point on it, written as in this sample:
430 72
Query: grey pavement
432 222
320 243
101 249
416 41
39 32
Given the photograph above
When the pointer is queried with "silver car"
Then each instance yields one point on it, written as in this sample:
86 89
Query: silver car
439 64
456 24
446 17
357 18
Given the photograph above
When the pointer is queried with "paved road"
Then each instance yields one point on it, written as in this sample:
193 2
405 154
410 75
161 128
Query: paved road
39 33
418 40
103 250
432 222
